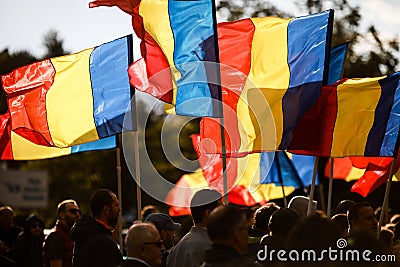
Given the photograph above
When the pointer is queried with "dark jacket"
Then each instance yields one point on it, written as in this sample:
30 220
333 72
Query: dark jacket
94 245
59 245
224 256
133 262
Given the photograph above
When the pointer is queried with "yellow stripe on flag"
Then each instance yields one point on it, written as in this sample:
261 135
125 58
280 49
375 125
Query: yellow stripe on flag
68 131
355 98
25 150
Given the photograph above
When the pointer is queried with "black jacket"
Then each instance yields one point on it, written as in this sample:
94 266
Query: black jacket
94 245
223 256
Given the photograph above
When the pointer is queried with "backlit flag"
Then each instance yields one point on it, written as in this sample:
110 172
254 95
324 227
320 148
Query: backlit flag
74 99
336 63
370 172
354 117
172 68
272 70
251 179
15 147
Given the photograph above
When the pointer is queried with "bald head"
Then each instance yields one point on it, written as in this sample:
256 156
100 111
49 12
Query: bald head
143 242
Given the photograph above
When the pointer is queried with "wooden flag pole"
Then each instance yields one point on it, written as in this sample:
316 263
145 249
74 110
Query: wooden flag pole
135 138
278 166
385 205
314 178
119 184
329 208
220 104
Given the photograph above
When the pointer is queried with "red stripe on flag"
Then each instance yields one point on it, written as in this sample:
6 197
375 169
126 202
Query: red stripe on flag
32 82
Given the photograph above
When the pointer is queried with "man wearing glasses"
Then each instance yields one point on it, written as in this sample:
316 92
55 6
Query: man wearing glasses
143 246
58 246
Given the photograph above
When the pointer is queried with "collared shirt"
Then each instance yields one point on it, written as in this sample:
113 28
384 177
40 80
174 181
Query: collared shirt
103 223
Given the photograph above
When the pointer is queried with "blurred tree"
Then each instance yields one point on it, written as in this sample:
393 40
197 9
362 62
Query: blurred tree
54 45
8 62
380 60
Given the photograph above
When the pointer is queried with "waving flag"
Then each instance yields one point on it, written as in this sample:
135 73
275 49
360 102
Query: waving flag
15 147
336 63
370 172
172 33
73 99
271 72
252 179
354 117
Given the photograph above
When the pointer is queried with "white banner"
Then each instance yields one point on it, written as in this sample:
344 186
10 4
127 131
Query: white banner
23 189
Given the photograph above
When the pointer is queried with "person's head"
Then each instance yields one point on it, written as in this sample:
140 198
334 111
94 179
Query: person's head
340 221
143 242
227 225
361 217
104 205
68 212
34 226
314 231
149 209
165 226
344 206
6 217
202 203
300 205
283 221
261 219
386 237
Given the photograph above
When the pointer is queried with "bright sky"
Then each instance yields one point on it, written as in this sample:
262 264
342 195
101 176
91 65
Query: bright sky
24 22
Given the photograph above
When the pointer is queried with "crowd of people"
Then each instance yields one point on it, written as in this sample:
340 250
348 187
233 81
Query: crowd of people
221 235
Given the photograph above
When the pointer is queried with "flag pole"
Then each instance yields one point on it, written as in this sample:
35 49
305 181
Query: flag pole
329 208
119 184
278 166
314 178
135 137
324 82
220 106
385 205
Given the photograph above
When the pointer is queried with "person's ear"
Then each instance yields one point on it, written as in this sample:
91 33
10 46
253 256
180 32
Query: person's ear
106 209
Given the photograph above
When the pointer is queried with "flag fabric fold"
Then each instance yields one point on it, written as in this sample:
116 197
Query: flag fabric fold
267 80
74 99
369 172
15 147
353 117
172 68
252 179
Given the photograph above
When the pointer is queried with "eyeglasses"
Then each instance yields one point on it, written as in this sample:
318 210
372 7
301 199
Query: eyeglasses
157 243
33 226
74 211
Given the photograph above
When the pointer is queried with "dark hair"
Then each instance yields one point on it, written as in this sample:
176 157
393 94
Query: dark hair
314 231
149 209
262 217
100 198
344 206
223 221
31 220
203 200
61 207
283 221
353 212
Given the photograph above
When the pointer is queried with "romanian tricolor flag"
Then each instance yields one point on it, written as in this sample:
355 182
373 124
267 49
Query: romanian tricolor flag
255 178
74 99
15 147
354 117
370 172
172 68
272 70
